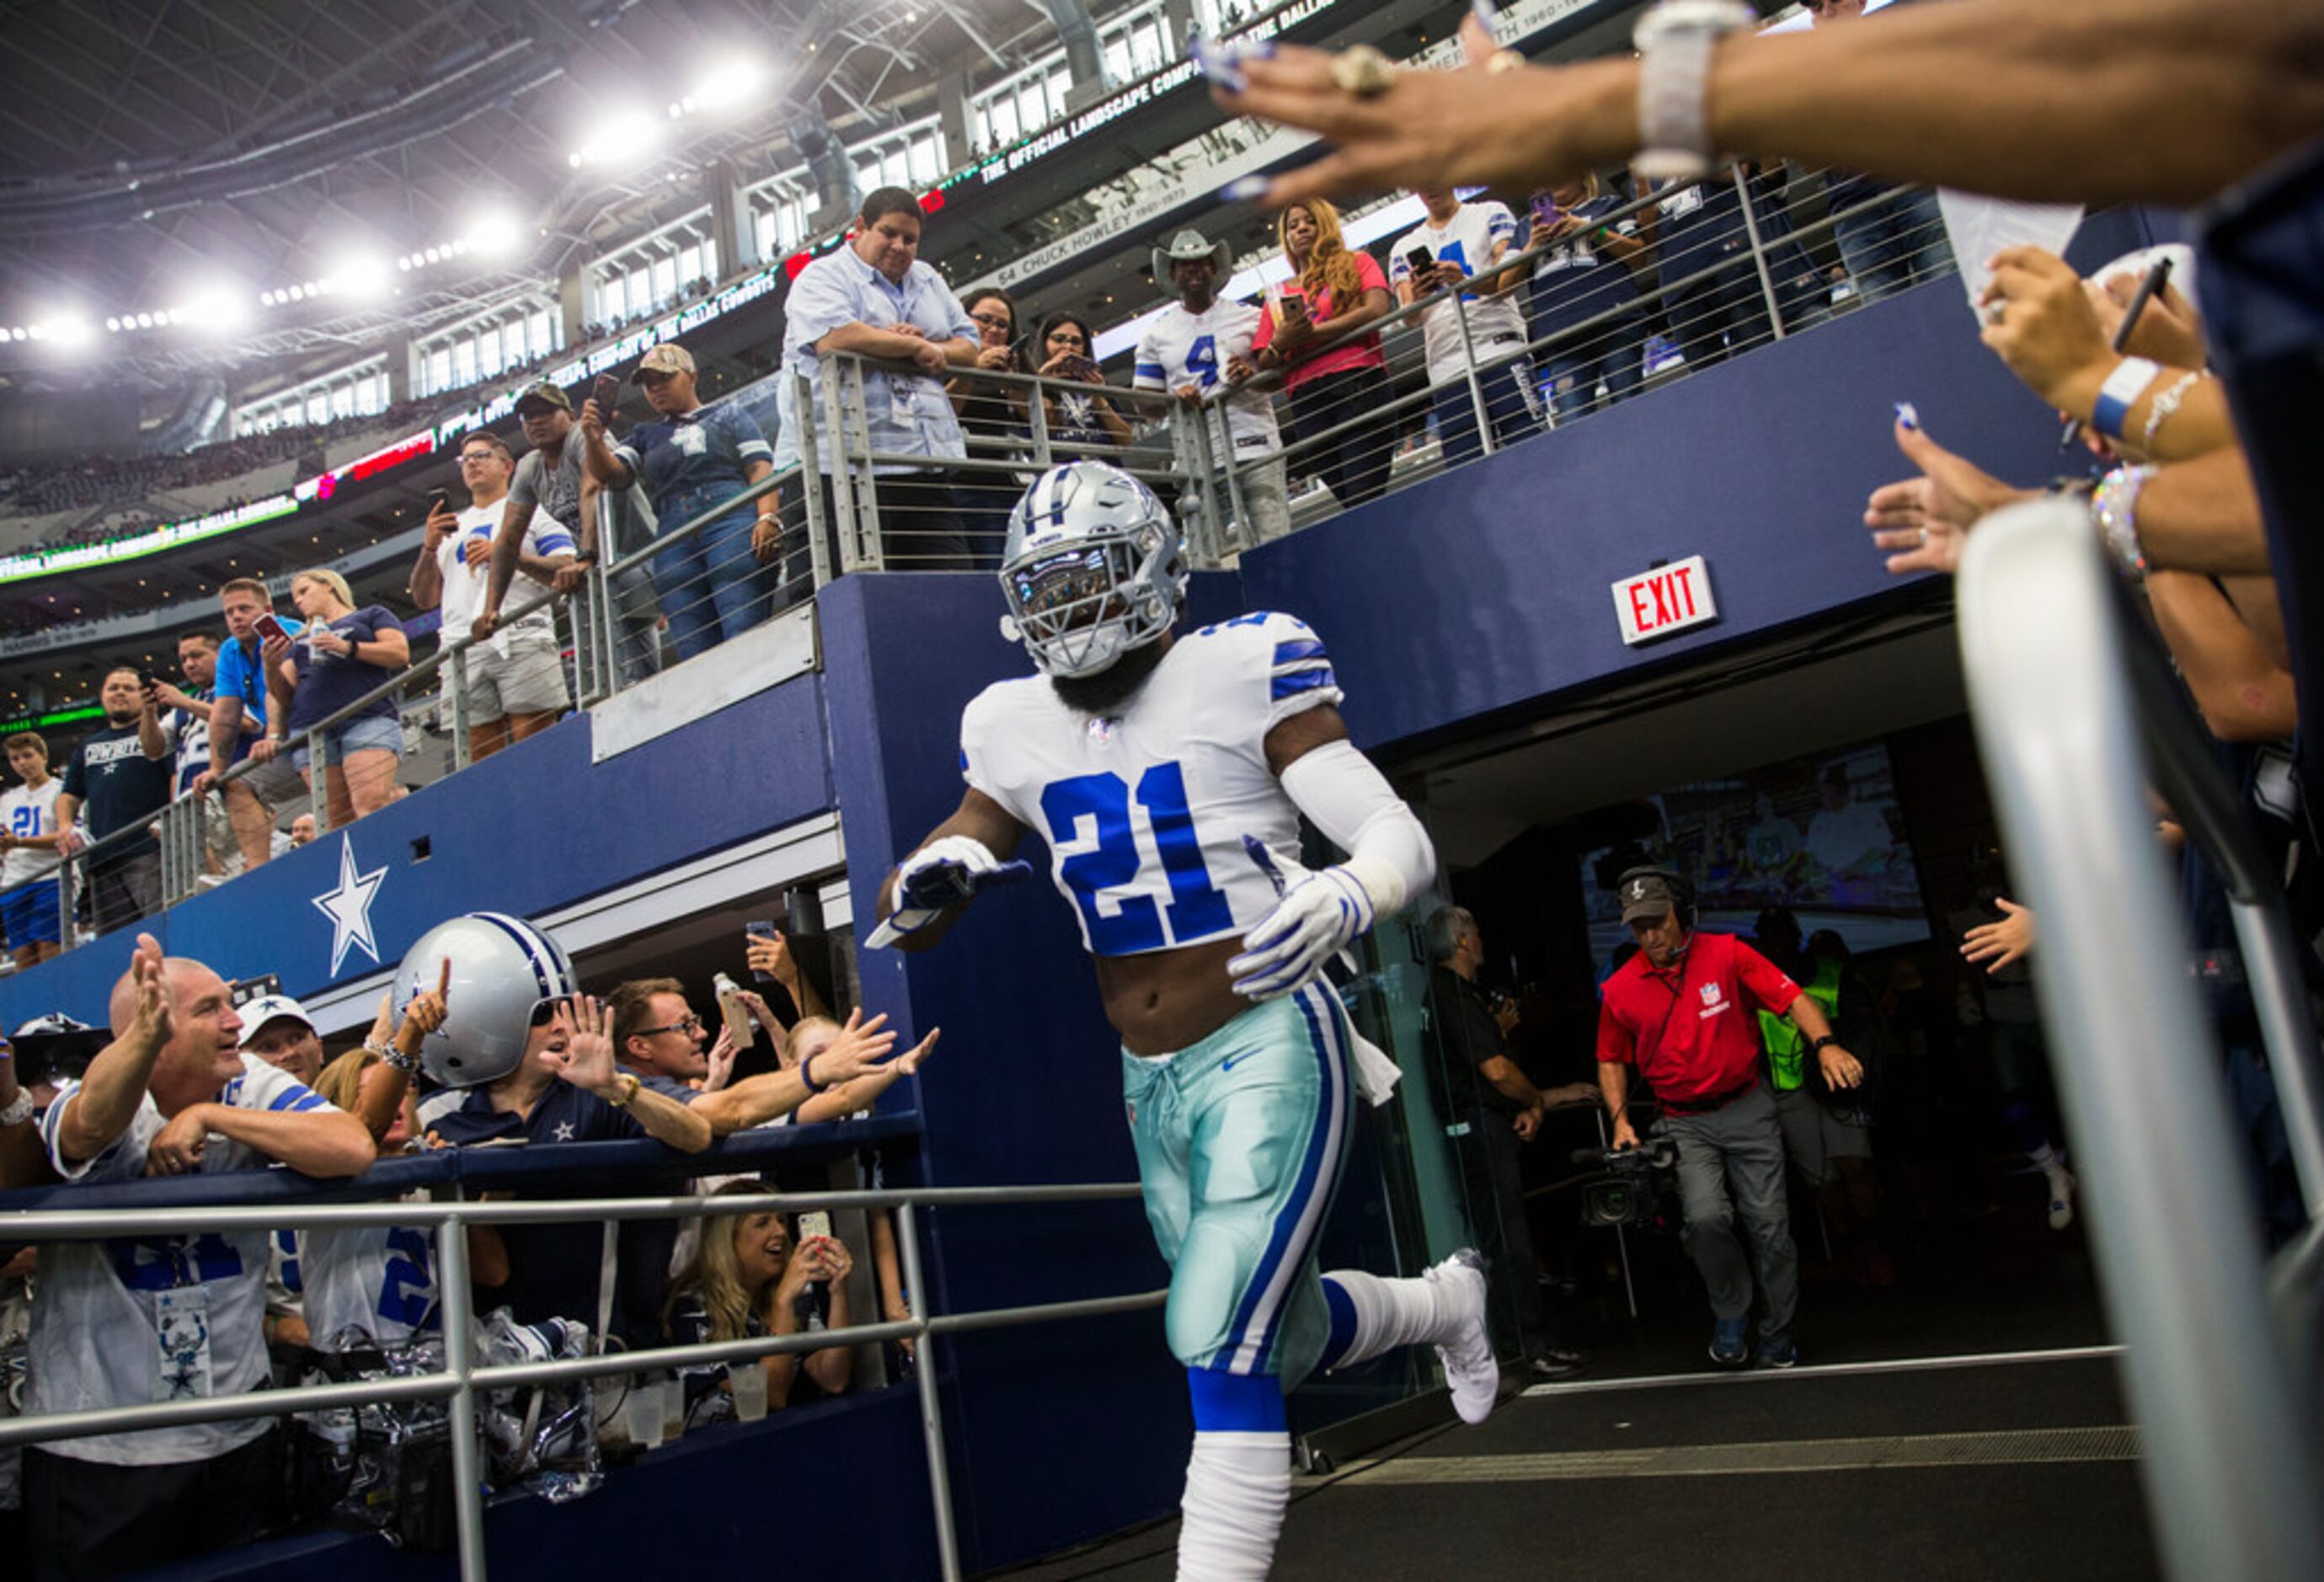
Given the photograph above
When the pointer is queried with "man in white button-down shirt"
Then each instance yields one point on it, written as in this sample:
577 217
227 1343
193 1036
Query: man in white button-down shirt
876 299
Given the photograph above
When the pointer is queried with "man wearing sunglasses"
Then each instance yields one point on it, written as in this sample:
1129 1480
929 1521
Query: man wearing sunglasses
662 1041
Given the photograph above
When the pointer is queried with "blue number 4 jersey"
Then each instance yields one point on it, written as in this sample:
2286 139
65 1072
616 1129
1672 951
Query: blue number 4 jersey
1145 808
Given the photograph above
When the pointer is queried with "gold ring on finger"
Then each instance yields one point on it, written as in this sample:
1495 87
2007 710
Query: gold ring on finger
1364 71
1503 61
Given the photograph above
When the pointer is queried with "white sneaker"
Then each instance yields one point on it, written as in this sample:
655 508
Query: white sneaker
1471 1369
2061 1199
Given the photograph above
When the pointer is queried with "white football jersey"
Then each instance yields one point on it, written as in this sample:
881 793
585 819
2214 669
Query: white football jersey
1180 348
377 1279
1476 236
138 1320
1146 810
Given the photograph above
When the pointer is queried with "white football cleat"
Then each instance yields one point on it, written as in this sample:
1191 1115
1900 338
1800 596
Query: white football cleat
1470 1370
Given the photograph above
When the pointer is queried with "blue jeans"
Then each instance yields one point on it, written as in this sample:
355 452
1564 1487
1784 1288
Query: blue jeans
710 584
1894 244
1618 357
1509 403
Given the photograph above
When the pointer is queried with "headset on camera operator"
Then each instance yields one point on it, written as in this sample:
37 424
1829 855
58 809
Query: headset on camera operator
1677 1011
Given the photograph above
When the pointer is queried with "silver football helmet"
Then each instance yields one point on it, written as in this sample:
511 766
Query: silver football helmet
1091 569
504 972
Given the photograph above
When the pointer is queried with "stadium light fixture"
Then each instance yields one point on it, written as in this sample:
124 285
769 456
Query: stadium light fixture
730 82
70 330
496 236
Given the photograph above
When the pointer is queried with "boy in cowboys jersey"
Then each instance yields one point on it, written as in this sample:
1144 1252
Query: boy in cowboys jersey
1169 774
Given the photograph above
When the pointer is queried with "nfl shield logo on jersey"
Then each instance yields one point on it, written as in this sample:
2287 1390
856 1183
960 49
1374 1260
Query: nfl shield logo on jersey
1710 995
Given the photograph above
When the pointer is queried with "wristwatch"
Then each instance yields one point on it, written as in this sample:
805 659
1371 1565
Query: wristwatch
621 1101
1818 1044
1674 42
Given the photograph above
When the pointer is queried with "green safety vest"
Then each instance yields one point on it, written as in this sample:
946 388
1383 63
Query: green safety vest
1786 1045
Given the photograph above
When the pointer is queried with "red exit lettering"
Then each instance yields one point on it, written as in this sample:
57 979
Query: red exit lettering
1667 598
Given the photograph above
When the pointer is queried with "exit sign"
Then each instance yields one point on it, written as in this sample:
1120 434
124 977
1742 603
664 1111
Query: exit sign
1671 598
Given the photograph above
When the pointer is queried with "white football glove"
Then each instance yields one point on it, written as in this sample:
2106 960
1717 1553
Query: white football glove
940 875
1317 918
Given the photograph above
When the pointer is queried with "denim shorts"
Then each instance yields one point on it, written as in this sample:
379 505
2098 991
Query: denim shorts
375 732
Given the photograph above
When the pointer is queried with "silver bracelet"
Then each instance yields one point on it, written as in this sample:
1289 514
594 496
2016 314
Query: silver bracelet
2166 404
2114 509
393 1057
20 1109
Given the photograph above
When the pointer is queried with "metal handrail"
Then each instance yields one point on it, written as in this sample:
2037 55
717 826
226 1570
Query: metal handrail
2225 1400
181 817
461 1378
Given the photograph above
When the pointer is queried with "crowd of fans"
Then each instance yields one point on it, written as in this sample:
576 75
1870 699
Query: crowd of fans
91 482
502 1045
2171 499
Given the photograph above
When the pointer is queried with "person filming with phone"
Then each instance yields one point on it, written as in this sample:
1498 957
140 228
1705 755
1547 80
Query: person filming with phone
515 677
1678 1013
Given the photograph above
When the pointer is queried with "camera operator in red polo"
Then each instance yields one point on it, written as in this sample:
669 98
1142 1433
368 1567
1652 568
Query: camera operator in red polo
1680 1012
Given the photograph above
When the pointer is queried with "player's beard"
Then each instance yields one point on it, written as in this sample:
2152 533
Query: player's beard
1110 687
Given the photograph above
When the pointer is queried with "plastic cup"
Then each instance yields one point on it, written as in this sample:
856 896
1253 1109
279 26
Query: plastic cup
642 1414
747 1381
673 1408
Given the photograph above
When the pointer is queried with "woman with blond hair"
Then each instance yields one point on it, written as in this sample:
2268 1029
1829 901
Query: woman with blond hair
1333 292
750 1277
342 653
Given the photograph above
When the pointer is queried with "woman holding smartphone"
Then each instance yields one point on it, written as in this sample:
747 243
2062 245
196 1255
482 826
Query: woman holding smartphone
991 413
1334 291
750 1277
343 653
1081 425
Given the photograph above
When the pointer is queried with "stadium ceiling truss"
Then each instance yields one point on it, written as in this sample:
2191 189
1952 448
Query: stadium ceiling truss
148 147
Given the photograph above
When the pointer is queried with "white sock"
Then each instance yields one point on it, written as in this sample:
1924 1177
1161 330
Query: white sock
2052 1161
1237 1487
1389 1313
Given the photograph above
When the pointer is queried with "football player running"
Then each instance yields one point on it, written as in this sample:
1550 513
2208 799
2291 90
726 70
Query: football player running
1169 774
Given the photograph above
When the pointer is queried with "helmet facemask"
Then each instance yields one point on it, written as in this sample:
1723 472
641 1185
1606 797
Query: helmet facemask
1093 569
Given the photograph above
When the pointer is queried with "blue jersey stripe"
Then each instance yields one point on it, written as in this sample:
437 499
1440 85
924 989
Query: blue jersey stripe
1298 648
1299 681
297 1096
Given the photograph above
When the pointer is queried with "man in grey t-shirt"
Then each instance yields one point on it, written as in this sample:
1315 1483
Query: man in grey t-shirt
551 477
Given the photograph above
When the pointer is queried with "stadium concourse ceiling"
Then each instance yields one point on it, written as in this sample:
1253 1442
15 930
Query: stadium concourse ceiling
165 153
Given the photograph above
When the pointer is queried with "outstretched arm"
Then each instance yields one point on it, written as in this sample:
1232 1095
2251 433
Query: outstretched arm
2037 100
99 1111
979 821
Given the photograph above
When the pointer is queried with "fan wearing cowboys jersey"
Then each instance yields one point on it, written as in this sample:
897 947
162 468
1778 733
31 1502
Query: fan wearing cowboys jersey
136 1319
1169 773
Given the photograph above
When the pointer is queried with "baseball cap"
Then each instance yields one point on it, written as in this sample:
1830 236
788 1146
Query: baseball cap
266 1008
669 358
544 395
1646 897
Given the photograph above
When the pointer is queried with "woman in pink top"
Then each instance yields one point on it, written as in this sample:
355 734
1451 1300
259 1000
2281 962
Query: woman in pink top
1334 375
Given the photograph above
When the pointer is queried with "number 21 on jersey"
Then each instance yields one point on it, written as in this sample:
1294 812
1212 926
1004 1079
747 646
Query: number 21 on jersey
1103 861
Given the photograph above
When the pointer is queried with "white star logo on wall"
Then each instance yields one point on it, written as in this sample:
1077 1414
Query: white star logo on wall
350 906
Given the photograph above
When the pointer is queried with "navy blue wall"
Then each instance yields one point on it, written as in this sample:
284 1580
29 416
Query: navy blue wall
1488 589
526 831
836 1489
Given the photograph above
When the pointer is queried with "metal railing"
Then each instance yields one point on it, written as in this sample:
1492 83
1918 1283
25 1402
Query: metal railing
463 1378
848 506
1693 301
601 621
2224 1349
